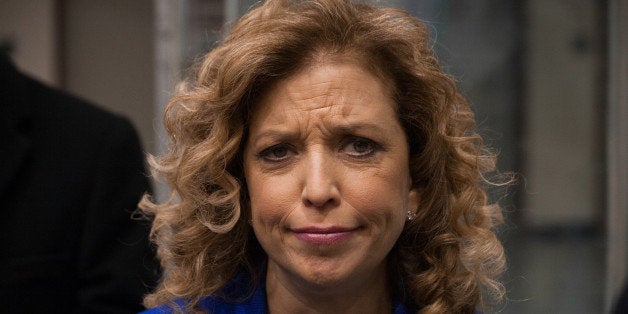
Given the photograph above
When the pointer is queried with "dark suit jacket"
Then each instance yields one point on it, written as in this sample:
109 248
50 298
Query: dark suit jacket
70 178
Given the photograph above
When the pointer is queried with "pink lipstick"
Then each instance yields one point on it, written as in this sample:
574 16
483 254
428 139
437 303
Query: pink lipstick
323 236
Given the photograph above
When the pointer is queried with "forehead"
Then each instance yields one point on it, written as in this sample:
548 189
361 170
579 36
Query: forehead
328 89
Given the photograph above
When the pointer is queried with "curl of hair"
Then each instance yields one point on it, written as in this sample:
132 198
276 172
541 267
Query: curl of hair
448 257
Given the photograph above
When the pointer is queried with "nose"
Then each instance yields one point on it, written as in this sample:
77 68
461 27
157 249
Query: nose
320 185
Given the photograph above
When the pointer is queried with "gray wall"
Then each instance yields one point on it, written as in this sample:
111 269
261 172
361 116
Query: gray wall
99 50
108 57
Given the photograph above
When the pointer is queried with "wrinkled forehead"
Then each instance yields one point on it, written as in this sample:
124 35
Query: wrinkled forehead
324 88
323 98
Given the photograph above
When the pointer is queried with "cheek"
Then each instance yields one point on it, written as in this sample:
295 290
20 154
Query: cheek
381 199
382 196
271 199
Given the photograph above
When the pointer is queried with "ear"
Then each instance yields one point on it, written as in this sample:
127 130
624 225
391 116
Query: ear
414 199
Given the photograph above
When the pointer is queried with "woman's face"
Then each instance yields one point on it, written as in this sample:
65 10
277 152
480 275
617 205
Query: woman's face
326 166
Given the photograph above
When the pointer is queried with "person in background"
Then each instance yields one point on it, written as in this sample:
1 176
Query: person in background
621 306
70 179
322 162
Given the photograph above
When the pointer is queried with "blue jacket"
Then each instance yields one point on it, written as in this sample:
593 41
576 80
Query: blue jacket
256 303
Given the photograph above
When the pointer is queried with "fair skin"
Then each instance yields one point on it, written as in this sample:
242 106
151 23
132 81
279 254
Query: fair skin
326 166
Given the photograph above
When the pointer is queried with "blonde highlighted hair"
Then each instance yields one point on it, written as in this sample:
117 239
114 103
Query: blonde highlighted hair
447 258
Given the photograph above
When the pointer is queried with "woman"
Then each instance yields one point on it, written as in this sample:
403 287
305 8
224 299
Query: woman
323 162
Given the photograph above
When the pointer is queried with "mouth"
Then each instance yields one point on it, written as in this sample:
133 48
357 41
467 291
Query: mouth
324 236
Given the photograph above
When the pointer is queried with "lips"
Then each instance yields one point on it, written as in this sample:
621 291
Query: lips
323 236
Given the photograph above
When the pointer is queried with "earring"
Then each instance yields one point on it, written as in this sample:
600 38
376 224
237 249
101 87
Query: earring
410 215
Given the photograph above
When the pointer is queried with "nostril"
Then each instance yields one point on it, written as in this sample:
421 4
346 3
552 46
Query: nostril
317 203
321 197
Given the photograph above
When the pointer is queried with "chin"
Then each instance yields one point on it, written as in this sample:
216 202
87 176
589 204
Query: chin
328 273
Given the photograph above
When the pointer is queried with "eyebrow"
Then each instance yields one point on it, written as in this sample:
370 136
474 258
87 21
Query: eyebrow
352 127
346 128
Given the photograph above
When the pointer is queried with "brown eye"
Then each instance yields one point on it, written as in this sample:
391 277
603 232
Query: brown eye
360 147
276 153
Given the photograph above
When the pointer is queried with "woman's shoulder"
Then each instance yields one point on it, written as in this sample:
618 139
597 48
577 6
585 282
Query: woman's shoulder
163 309
237 298
216 305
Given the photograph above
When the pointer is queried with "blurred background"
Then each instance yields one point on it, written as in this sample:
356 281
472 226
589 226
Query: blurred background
548 81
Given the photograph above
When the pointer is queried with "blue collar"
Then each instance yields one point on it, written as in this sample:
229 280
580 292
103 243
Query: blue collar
238 289
241 301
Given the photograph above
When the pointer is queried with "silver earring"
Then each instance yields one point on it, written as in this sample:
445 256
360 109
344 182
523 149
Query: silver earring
410 215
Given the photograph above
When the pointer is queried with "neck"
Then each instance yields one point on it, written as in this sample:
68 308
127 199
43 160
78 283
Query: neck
289 295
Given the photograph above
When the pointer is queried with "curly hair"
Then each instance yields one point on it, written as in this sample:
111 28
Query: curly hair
447 258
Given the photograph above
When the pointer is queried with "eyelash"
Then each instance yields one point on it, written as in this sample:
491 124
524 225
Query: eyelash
373 147
285 149
266 153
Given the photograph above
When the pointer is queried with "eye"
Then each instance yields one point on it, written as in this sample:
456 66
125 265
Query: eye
360 147
275 153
